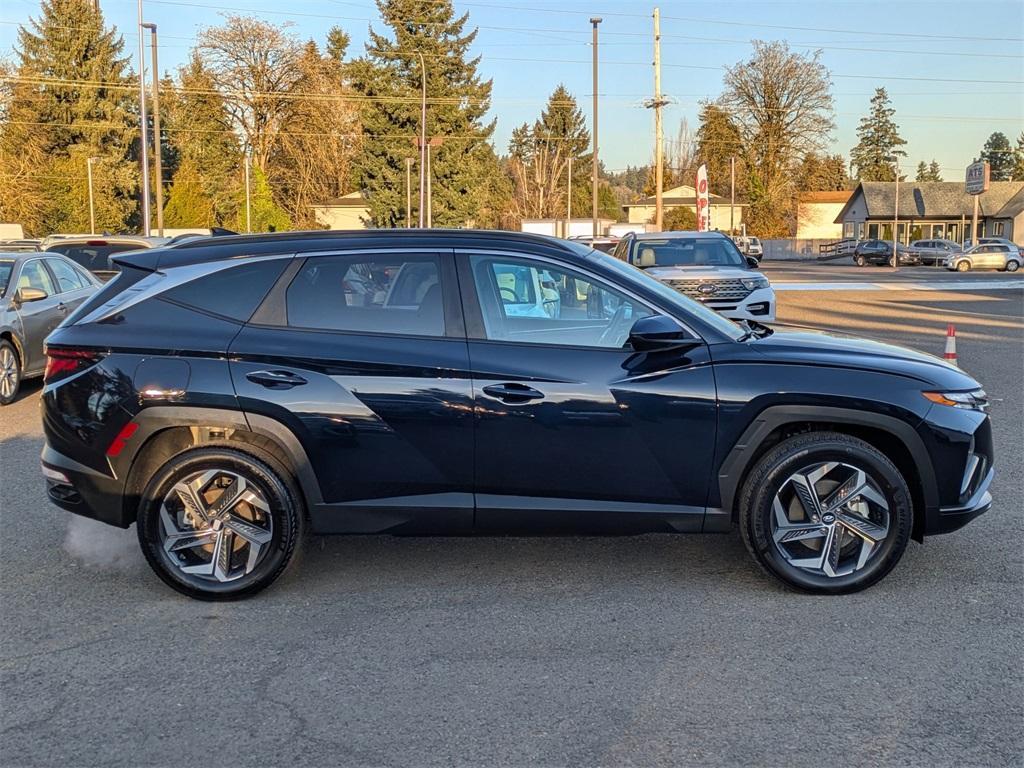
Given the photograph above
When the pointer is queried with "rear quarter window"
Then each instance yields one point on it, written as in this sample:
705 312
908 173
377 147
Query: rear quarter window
234 293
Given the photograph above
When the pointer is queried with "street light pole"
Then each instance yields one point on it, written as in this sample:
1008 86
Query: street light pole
92 208
248 196
594 21
143 149
158 171
896 223
408 192
423 139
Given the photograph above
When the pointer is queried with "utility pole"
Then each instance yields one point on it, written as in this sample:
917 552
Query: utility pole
732 196
408 192
157 154
896 223
568 199
659 136
143 150
423 138
594 21
430 196
248 196
92 208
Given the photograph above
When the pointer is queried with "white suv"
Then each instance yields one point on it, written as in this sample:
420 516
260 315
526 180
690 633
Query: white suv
706 267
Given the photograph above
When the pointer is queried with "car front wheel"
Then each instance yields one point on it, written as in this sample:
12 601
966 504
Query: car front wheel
860 260
963 266
219 524
826 512
10 373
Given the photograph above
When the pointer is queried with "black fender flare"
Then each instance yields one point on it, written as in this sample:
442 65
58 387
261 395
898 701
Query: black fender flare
740 457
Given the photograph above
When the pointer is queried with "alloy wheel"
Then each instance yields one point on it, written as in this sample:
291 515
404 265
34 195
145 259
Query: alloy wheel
215 525
8 373
829 519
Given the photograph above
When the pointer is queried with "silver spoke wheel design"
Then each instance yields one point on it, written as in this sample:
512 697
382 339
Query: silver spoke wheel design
8 372
215 525
829 519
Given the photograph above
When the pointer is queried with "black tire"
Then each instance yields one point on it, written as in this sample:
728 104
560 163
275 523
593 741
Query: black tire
9 377
771 472
860 260
1012 266
285 511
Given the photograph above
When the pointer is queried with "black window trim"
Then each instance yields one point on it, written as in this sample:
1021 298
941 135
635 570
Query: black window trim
273 311
476 331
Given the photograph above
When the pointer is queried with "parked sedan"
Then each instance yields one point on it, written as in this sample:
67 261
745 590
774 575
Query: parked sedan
879 253
992 256
37 291
94 252
934 252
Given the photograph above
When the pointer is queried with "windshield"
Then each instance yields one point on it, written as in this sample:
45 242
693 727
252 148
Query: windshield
686 252
685 305
5 274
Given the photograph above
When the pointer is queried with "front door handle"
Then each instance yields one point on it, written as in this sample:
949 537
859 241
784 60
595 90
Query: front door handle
513 393
275 379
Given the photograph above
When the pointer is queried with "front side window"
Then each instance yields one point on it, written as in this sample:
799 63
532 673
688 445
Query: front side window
34 275
523 300
6 267
378 293
67 276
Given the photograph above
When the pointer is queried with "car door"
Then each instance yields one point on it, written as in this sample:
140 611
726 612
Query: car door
575 430
362 355
38 318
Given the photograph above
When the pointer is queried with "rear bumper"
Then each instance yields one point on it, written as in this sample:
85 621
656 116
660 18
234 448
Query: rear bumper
82 490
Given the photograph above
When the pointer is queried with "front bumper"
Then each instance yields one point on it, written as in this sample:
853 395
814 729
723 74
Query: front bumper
953 518
759 305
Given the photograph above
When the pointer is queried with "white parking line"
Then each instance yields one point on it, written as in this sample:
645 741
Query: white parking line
940 285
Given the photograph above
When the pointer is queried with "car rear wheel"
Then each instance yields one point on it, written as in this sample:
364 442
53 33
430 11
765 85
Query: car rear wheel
10 373
963 266
219 524
826 513
1012 266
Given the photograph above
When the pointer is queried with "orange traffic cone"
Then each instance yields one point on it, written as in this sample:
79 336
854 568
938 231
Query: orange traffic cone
950 354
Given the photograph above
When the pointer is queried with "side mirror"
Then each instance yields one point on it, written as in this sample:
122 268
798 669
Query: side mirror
752 262
656 333
25 295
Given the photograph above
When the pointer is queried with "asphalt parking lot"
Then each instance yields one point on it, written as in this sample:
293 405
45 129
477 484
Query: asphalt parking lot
537 651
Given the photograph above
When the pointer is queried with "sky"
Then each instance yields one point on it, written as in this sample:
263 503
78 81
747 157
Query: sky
954 70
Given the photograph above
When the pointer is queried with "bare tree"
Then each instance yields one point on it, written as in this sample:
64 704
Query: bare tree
781 103
255 66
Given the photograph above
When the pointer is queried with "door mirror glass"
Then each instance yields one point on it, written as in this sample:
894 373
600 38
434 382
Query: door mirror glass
752 262
659 332
26 295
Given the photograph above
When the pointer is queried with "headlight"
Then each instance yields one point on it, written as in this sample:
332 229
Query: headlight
752 283
975 400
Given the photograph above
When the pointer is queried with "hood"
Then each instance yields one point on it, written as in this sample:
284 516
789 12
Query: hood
697 273
821 348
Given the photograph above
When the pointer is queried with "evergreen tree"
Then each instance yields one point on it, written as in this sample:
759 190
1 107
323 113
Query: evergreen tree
718 140
1018 159
65 107
928 171
822 174
457 102
680 218
935 170
922 171
999 156
265 215
188 204
199 132
878 142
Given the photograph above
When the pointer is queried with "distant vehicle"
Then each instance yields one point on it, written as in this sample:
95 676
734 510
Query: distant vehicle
706 267
94 252
934 252
12 231
180 236
879 253
750 246
19 246
37 291
968 244
603 244
999 256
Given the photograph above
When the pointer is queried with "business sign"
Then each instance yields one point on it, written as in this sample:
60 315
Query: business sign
977 178
703 211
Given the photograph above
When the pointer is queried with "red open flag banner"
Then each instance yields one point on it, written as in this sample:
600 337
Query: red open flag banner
703 211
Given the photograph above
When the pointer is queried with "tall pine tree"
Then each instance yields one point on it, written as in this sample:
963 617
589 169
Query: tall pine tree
188 204
718 140
388 78
999 155
72 101
928 171
1017 174
879 144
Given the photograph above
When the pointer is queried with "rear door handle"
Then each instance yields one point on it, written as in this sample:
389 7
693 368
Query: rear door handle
275 379
513 393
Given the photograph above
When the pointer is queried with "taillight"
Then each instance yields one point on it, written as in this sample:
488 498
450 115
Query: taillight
61 363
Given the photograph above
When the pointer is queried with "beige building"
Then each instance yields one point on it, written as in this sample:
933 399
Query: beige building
816 214
348 212
643 211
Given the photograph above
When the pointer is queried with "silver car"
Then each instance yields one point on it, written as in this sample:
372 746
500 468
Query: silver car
986 256
934 252
37 291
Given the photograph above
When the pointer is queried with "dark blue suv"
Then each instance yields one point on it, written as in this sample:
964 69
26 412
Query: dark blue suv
230 395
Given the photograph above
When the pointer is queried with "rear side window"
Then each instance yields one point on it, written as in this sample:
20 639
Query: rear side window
234 292
68 278
95 258
379 293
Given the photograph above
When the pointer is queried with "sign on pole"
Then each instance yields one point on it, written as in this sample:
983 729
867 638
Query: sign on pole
703 212
977 178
